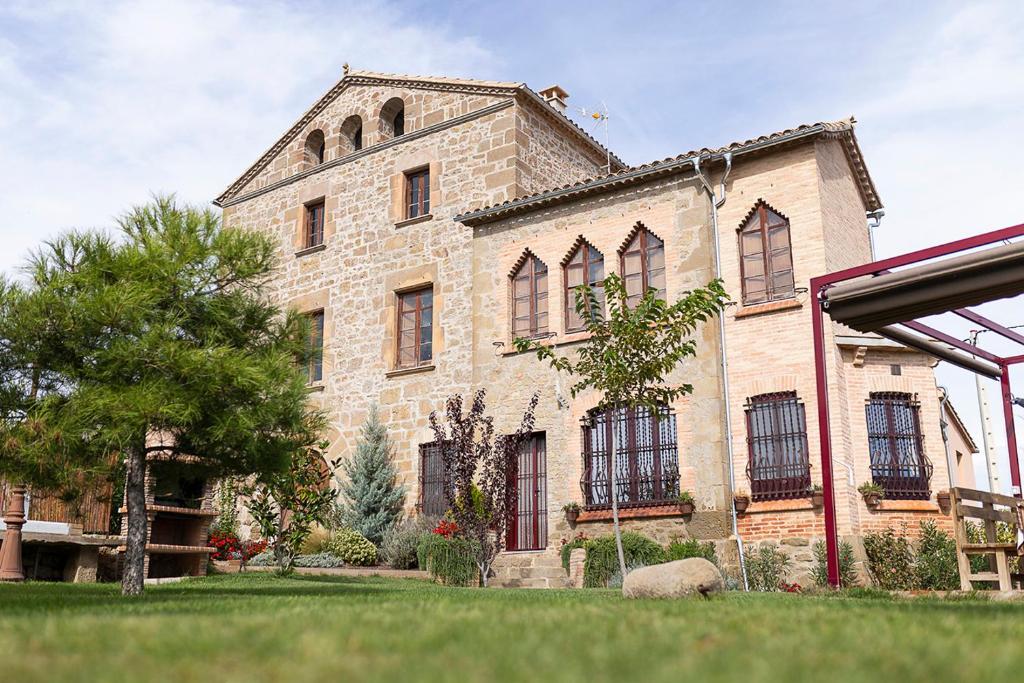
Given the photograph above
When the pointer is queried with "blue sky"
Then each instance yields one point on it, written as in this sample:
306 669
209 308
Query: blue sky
102 103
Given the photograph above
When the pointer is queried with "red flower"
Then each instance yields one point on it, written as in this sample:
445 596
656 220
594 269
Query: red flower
446 528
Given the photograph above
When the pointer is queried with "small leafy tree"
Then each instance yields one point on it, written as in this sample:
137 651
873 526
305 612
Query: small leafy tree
373 497
629 355
478 466
285 505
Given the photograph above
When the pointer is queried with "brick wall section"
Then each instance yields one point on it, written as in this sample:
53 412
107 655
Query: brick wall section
674 211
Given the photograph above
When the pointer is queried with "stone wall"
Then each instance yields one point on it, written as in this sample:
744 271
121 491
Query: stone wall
370 253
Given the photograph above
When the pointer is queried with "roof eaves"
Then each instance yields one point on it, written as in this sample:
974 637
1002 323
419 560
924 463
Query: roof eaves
646 172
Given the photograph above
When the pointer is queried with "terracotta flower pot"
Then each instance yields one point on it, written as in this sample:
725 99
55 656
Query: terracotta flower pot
818 499
741 503
686 508
872 500
571 516
945 501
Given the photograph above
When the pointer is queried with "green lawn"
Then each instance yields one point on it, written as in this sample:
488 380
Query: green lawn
259 627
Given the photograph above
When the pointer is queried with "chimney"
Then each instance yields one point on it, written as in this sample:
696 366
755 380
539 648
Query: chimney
556 97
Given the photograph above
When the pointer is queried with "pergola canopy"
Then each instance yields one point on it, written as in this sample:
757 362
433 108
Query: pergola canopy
875 298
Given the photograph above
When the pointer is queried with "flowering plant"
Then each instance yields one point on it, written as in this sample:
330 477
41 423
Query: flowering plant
226 546
446 528
790 587
251 549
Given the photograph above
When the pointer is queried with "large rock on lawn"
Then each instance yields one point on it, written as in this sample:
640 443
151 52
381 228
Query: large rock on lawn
692 577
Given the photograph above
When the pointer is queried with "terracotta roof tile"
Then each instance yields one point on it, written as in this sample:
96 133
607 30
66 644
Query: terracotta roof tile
841 130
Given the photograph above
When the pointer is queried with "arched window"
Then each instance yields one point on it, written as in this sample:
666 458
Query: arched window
584 265
351 135
315 148
642 261
646 457
766 259
530 297
392 118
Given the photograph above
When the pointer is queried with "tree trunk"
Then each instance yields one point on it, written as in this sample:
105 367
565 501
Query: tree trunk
615 498
135 543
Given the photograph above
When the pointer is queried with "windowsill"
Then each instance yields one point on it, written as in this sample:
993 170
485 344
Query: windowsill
768 307
605 515
532 551
310 250
413 221
314 387
907 506
571 338
402 372
786 505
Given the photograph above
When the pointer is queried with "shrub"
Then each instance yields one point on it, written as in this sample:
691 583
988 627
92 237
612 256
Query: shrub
890 560
226 546
691 547
602 560
398 550
936 567
449 560
372 493
847 572
316 542
568 546
263 559
767 569
352 547
321 560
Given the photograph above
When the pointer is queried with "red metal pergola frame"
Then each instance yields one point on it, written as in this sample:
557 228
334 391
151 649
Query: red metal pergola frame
818 287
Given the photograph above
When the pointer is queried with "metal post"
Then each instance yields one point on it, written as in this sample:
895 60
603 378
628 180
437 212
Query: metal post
1011 432
825 437
10 556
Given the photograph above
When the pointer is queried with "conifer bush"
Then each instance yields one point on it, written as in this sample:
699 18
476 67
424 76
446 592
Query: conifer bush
372 495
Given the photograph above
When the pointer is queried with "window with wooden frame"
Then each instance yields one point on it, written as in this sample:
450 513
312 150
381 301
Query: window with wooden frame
896 445
315 347
434 500
778 465
584 265
642 264
766 256
529 283
417 193
415 327
314 229
646 457
528 526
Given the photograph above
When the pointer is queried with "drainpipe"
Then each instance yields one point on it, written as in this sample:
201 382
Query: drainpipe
943 425
876 220
717 200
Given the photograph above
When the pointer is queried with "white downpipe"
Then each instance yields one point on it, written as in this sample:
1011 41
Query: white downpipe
718 200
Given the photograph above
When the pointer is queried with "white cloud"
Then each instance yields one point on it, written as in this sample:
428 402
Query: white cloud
100 108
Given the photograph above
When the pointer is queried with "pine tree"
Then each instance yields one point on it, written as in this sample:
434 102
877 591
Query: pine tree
372 496
159 342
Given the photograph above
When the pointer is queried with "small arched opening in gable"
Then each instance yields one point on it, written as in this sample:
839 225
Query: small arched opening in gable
351 135
392 118
315 148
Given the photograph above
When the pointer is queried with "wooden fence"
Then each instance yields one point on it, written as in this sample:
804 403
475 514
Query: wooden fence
92 512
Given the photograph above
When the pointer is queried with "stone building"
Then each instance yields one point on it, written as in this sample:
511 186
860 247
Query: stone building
424 223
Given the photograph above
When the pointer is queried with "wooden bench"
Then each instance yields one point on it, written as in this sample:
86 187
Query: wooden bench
990 508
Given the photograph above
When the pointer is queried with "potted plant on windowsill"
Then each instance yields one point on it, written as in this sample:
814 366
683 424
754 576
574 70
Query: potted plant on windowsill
817 495
686 503
873 494
572 512
741 501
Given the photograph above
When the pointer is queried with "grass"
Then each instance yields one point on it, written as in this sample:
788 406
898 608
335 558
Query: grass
259 627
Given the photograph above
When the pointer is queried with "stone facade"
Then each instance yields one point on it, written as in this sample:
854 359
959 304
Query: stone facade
486 144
